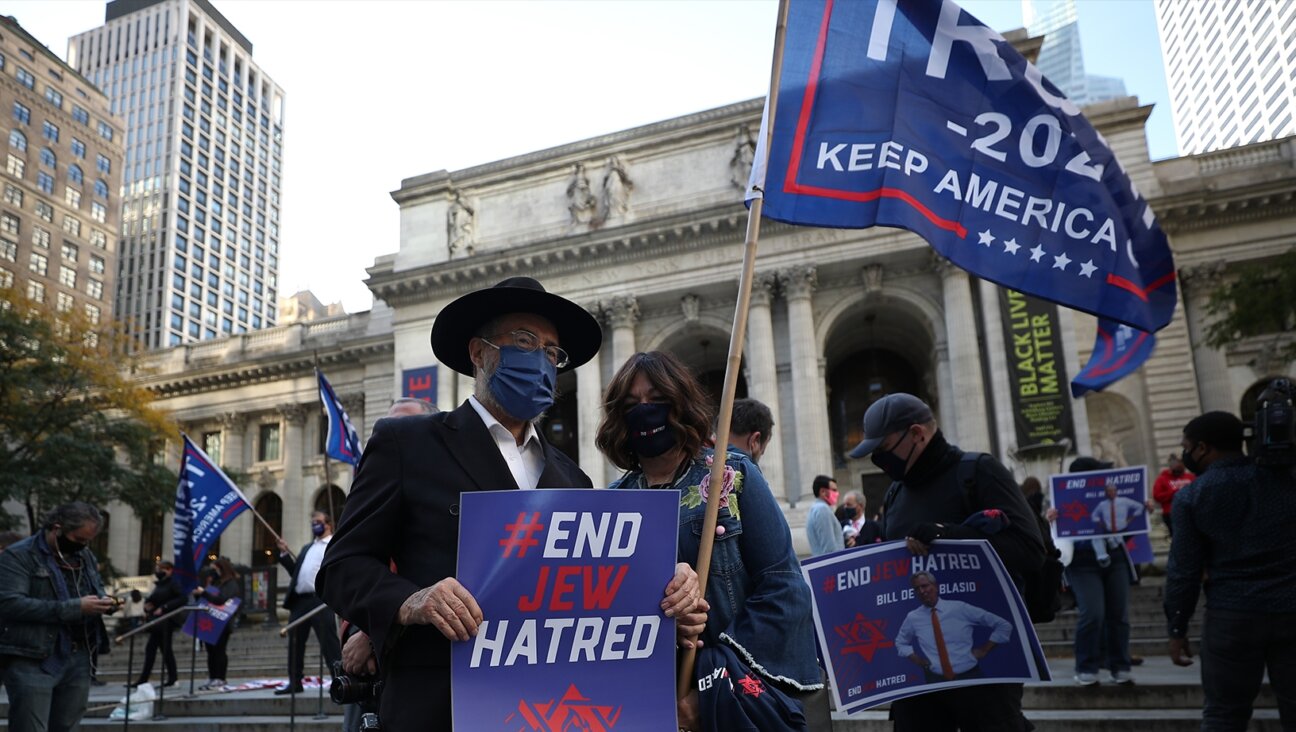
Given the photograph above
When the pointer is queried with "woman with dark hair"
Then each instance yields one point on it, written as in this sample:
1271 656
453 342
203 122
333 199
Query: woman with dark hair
657 427
221 582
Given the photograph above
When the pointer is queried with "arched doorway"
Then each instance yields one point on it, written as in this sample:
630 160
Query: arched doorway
264 548
338 499
705 350
1115 431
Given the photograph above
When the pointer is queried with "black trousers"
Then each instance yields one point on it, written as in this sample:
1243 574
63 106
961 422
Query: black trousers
160 637
1236 650
416 699
325 626
986 708
217 658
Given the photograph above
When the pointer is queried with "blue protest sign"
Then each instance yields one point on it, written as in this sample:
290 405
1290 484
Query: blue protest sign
892 624
1100 502
1118 351
570 584
207 623
915 115
1138 547
420 383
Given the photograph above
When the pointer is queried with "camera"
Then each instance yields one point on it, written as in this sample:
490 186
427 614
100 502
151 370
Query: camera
1275 425
348 689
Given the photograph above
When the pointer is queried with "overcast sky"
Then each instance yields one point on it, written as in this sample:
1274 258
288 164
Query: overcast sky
381 90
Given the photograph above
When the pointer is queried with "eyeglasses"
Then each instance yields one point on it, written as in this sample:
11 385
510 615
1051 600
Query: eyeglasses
526 341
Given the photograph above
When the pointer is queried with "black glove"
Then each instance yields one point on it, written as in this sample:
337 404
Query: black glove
926 533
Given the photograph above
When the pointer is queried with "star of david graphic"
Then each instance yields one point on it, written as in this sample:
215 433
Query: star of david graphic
751 686
864 636
1075 510
572 712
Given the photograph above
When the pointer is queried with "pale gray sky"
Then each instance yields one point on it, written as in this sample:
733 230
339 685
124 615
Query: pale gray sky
380 90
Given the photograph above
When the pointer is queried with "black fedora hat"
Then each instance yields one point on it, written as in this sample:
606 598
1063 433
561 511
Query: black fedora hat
579 333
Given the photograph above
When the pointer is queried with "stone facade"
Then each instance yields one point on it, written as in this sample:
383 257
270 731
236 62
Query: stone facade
645 228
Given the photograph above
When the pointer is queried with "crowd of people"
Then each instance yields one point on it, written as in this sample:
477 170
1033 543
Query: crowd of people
388 569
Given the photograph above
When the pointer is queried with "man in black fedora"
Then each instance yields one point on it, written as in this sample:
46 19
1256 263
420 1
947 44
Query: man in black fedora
513 339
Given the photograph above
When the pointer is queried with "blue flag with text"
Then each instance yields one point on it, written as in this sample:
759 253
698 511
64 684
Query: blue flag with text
912 114
206 502
208 622
342 442
1118 351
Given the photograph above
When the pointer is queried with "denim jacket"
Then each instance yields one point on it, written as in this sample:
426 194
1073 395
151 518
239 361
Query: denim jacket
760 603
30 610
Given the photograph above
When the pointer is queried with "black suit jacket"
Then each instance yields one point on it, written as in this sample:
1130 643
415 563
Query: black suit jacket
294 566
404 507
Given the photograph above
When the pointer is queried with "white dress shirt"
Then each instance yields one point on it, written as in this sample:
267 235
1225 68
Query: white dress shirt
310 564
526 461
957 620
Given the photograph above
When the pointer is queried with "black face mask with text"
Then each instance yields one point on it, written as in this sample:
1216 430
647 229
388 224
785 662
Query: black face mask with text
649 428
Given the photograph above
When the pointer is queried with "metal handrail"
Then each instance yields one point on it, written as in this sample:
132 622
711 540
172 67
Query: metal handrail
156 621
283 633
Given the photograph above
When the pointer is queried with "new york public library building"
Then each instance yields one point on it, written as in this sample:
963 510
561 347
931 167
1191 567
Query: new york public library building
645 227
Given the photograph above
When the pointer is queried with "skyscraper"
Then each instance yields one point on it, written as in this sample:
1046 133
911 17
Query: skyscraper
62 181
203 169
1061 59
1232 71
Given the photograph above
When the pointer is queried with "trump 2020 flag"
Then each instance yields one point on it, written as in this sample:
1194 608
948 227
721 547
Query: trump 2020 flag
342 442
206 502
1119 351
912 114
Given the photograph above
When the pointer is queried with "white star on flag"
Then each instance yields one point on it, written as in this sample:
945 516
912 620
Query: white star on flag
1061 261
1037 252
1011 246
1087 269
986 237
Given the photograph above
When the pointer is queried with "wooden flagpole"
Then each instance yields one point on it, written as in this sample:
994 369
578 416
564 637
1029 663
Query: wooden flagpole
736 337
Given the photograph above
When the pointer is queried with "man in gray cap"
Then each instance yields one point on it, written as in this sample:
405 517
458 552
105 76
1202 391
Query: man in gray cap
940 492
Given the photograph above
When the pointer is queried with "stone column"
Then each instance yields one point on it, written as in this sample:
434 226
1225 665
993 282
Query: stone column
968 428
236 541
589 410
623 315
762 383
1213 386
1000 386
446 398
808 394
296 497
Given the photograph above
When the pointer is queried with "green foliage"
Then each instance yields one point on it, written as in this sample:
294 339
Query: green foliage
72 426
1260 301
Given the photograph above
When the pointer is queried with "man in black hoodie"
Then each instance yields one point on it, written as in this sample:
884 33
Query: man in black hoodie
929 500
167 595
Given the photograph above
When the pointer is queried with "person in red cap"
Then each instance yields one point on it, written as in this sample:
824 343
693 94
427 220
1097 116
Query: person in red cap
513 339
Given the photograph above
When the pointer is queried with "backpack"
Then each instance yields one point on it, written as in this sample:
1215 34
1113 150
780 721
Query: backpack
1039 589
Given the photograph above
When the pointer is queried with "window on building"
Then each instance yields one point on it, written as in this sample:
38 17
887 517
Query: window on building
105 130
100 189
6 278
26 78
54 96
50 131
44 212
103 164
98 211
94 288
93 314
71 225
47 158
67 276
15 166
64 302
8 250
98 238
80 115
22 113
13 195
75 175
70 252
72 197
17 140
36 291
38 263
9 224
45 182
78 149
268 442
96 265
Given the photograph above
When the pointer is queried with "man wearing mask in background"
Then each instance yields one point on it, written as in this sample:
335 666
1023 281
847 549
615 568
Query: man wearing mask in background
167 595
301 599
858 529
52 601
928 501
513 339
822 529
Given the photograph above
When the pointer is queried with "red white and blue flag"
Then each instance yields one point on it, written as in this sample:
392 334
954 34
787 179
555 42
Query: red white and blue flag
206 502
1118 351
342 442
913 114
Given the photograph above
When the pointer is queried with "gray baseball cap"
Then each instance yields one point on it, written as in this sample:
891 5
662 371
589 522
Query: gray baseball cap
891 413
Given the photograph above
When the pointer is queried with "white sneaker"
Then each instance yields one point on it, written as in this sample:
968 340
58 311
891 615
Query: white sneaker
1086 679
1124 678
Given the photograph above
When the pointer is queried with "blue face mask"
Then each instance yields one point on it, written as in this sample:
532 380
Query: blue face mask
317 529
523 382
649 428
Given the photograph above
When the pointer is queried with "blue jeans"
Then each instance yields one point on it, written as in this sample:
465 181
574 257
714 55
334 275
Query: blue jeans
1236 648
1102 601
39 702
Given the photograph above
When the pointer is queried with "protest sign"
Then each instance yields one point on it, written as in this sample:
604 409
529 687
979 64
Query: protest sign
1100 502
874 608
570 584
207 623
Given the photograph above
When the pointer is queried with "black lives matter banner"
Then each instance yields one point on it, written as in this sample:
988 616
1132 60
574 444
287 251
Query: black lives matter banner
1037 377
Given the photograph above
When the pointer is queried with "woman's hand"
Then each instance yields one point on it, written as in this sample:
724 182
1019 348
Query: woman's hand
681 592
687 711
690 625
